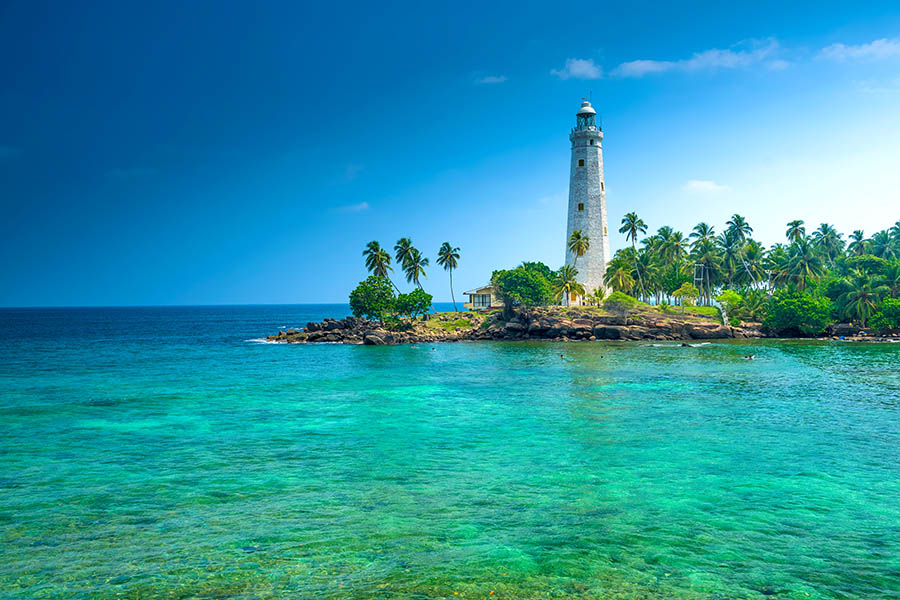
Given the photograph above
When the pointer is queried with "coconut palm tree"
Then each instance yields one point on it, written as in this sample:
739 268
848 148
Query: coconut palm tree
707 255
701 232
566 283
414 267
448 257
829 241
805 263
578 244
883 245
632 225
891 278
858 243
863 297
795 230
741 231
618 274
402 250
378 261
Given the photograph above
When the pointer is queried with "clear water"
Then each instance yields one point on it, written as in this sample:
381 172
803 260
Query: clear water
156 453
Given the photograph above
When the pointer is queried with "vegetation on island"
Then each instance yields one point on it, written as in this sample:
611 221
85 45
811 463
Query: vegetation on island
796 288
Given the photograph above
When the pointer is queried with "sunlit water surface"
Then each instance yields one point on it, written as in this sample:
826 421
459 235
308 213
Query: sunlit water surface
158 453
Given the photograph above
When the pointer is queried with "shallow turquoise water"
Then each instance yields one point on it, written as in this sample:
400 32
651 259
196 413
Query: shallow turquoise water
149 454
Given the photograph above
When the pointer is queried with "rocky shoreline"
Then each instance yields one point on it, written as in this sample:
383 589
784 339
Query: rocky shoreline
545 323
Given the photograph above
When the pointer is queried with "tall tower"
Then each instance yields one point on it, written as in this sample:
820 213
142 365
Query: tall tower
587 200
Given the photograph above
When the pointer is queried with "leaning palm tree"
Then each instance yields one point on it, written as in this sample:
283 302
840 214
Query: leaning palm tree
632 225
795 230
578 244
741 231
415 267
402 251
863 297
566 283
448 257
378 261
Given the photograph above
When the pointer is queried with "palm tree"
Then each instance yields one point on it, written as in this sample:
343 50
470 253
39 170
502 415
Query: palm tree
795 230
862 299
618 274
578 244
402 250
858 244
741 231
891 278
378 261
414 267
566 283
632 225
448 257
829 241
805 263
883 245
707 255
730 246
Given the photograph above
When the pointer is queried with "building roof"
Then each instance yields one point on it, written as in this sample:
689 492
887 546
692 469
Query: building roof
480 290
586 109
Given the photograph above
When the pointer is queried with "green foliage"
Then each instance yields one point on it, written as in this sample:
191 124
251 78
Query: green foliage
619 303
539 268
792 312
663 306
734 321
753 306
688 293
730 300
522 287
413 304
372 298
888 317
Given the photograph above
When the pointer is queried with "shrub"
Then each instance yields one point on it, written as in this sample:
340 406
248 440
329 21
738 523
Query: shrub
522 287
413 304
372 298
796 313
688 292
730 300
619 303
888 317
734 321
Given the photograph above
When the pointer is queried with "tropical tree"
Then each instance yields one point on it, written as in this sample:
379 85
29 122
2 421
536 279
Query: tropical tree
402 251
448 257
618 274
741 231
804 262
795 230
687 293
829 241
883 245
378 261
863 297
891 278
414 266
858 243
702 232
578 244
632 225
566 283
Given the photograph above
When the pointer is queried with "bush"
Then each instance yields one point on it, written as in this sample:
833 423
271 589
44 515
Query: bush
730 300
797 313
734 321
522 287
619 303
372 298
888 317
413 304
688 292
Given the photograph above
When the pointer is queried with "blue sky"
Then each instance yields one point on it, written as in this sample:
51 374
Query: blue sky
206 153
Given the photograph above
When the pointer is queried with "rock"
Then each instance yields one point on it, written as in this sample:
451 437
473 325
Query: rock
707 331
331 325
609 332
312 326
515 327
844 329
370 338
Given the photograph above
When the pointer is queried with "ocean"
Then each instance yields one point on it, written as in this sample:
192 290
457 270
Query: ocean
164 452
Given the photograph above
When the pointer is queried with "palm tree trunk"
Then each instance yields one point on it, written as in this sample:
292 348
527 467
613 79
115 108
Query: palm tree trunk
452 297
640 279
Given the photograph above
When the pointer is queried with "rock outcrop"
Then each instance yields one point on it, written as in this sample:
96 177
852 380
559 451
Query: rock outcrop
545 323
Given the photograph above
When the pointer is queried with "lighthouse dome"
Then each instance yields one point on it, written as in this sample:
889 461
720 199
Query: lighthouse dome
586 109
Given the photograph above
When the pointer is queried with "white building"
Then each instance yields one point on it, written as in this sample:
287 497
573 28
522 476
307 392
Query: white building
587 201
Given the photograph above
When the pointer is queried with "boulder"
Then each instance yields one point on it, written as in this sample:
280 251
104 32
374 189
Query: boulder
370 338
515 327
844 329
706 331
331 325
610 332
312 326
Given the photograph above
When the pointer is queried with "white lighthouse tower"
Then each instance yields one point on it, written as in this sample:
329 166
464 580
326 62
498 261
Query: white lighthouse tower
587 201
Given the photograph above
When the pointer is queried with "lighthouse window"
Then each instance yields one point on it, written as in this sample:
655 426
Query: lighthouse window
592 142
580 162
601 187
581 206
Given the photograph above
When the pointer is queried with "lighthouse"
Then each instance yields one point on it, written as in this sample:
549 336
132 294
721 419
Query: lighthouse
587 201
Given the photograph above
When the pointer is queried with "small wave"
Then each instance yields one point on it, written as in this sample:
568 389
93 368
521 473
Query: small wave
262 341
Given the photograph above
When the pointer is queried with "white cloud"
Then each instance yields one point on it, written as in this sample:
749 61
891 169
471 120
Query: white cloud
878 49
352 208
579 68
493 79
9 152
759 51
703 186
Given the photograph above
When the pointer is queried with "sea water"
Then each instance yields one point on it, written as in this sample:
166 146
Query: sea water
161 453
